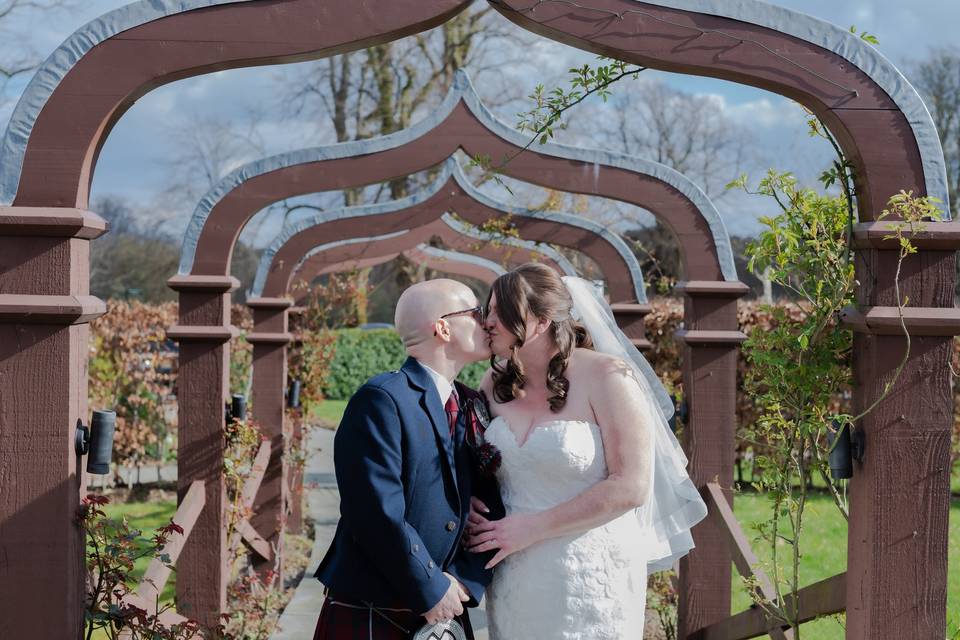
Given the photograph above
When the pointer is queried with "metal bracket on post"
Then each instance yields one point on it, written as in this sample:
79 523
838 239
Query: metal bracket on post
81 438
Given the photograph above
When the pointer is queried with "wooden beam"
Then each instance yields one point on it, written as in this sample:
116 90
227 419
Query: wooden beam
254 540
244 530
819 599
252 485
157 574
743 557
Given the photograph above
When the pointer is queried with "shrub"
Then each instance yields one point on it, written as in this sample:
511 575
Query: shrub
359 355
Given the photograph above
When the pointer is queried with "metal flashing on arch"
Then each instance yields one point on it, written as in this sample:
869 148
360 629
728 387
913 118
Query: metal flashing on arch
463 92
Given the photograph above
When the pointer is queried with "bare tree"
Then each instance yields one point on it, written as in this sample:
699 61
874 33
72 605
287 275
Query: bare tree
207 149
938 79
382 89
686 132
17 56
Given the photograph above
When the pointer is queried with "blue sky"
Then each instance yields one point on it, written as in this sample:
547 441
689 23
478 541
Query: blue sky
134 163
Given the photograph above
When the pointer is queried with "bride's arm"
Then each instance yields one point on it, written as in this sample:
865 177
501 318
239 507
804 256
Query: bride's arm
625 427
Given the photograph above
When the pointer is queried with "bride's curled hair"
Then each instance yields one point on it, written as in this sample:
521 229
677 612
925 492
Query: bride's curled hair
535 290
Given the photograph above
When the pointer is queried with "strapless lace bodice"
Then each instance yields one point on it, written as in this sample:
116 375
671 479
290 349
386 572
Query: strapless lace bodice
559 460
585 586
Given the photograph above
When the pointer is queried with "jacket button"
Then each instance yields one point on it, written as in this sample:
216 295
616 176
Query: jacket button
431 565
416 548
451 525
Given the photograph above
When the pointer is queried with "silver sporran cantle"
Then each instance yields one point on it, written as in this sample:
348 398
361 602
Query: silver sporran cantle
450 630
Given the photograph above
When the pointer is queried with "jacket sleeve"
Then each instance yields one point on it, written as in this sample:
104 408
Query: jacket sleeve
368 463
469 567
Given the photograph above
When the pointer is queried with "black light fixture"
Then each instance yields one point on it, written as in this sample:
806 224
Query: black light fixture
97 441
844 449
293 394
238 407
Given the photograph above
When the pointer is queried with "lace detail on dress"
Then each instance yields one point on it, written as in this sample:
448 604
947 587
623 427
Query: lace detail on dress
586 586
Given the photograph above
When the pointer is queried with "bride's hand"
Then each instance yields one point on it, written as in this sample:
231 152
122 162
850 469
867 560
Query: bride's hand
509 535
478 510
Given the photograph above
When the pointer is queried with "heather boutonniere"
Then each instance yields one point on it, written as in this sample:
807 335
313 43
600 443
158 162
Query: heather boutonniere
485 455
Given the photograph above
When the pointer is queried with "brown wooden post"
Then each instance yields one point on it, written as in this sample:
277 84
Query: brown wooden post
630 318
44 310
711 338
270 339
204 332
295 479
900 494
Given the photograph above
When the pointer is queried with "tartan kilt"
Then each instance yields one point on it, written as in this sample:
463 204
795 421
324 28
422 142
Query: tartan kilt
344 619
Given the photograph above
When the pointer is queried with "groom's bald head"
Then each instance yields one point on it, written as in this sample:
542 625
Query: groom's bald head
421 305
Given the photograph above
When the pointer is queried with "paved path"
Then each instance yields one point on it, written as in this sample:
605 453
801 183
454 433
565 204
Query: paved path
323 504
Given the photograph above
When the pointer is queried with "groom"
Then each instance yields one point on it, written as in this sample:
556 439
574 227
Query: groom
405 475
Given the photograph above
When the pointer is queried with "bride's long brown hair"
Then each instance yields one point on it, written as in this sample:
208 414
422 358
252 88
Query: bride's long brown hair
535 290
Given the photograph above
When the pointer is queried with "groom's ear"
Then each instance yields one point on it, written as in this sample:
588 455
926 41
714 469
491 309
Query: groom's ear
441 329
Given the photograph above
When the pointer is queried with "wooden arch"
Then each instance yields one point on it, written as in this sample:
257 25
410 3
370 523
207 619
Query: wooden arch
455 263
460 122
452 192
896 580
322 258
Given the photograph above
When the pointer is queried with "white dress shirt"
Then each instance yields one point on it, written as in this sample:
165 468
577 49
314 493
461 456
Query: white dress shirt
444 386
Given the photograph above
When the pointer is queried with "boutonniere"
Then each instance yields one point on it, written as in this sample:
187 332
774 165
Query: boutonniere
486 455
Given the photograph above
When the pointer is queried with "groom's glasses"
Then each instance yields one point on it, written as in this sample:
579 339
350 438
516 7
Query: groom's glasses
477 312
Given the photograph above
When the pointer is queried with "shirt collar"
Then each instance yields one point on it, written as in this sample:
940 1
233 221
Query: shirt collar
444 386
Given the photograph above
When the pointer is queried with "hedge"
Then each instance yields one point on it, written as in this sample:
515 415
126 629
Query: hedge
361 354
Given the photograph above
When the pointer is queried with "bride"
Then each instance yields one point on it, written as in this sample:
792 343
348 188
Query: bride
593 480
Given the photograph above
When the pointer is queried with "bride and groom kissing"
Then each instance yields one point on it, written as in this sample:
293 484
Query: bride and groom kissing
556 508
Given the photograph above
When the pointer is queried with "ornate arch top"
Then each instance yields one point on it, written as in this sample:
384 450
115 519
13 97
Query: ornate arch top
451 191
354 249
92 78
61 121
845 80
453 262
461 122
321 258
450 226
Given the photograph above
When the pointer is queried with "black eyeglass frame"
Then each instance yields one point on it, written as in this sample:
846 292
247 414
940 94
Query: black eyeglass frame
477 310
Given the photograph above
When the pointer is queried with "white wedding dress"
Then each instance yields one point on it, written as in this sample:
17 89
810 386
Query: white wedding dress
593 585
588 586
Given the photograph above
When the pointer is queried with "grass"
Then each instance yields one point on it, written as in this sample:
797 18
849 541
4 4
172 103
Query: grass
147 517
329 412
824 545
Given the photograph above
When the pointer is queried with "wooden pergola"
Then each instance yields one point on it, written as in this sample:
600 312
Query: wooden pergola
895 584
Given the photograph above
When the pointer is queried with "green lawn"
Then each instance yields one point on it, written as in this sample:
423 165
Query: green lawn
825 554
148 517
329 412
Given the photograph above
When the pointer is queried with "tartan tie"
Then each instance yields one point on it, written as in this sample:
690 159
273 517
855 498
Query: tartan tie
452 407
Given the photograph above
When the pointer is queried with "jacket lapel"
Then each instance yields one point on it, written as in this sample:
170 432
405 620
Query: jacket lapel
430 402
